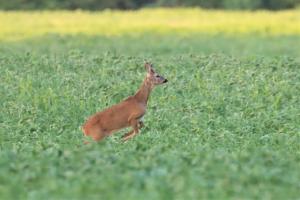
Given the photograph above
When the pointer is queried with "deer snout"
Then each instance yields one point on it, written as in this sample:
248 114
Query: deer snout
166 80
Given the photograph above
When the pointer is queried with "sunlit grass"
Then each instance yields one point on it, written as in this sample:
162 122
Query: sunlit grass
20 25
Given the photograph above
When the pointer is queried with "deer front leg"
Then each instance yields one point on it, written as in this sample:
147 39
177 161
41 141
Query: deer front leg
135 126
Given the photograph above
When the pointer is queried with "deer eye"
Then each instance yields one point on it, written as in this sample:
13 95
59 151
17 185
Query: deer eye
157 76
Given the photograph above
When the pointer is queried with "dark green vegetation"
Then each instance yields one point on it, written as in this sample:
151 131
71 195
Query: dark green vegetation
226 126
134 4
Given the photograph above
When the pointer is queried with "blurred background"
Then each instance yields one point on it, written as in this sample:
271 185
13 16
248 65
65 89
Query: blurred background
135 4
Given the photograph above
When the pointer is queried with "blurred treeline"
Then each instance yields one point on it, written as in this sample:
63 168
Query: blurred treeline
135 4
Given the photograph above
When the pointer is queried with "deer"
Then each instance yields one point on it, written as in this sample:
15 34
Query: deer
127 113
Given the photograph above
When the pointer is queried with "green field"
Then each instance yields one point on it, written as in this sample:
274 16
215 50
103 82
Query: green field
226 126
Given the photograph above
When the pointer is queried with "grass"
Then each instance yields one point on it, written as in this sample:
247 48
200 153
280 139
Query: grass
226 126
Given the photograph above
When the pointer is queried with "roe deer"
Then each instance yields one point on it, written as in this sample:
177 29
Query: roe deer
127 113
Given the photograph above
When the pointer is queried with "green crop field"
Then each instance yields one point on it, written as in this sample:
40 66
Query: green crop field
225 126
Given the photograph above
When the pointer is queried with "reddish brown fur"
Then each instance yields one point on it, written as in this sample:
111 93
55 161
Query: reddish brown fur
125 114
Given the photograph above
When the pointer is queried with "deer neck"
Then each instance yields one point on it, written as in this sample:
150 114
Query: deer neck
144 91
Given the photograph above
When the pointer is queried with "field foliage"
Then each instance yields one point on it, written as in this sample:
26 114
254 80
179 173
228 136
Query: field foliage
226 126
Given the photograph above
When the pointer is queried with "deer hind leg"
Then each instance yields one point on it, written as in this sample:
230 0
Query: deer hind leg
97 134
127 135
135 130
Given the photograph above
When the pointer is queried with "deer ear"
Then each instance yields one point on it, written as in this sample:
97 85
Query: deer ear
148 67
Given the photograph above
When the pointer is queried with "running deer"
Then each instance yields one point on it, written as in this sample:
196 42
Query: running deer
127 113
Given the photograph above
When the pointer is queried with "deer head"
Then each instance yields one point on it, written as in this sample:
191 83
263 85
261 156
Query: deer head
152 77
